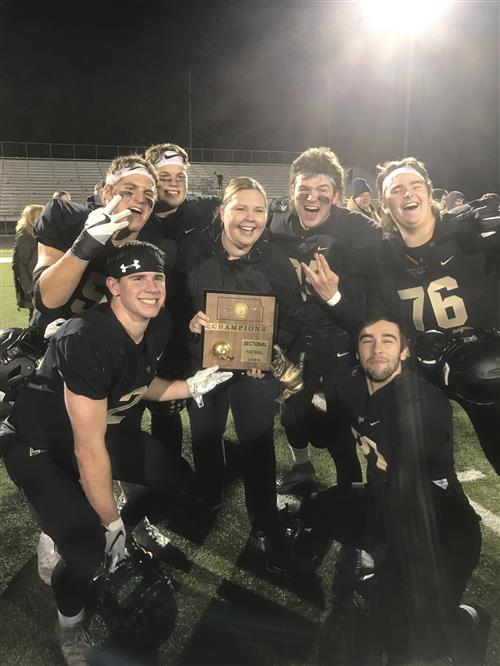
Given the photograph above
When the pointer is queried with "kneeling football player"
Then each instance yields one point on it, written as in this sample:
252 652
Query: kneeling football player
76 429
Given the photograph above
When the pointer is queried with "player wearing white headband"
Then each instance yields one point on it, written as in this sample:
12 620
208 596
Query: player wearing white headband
72 239
439 274
73 244
331 249
177 210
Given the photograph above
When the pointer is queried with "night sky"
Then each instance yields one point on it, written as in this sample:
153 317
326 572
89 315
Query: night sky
265 75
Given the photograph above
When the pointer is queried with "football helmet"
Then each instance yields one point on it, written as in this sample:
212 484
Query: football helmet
469 366
135 603
20 350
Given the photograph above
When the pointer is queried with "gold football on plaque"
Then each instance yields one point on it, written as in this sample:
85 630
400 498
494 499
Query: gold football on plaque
241 310
222 350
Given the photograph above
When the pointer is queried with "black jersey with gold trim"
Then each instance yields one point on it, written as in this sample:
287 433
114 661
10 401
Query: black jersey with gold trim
94 356
349 241
59 225
450 282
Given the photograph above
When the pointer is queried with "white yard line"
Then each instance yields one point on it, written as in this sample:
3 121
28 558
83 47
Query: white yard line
489 519
5 260
470 475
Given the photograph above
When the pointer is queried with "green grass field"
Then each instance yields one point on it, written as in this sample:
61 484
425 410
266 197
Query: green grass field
231 612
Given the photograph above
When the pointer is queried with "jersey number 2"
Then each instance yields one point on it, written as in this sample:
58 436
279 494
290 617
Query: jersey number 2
449 311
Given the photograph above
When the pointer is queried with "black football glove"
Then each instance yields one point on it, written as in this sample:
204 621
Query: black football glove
480 215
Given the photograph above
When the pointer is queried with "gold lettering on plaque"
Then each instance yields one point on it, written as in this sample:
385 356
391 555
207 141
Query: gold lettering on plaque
254 351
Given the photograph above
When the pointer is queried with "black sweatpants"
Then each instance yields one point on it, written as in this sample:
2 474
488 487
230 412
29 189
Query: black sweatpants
253 405
297 415
50 482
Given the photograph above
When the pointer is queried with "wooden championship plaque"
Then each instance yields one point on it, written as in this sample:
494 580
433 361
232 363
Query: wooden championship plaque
240 334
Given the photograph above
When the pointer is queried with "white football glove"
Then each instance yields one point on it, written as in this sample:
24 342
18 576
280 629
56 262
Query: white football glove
53 327
206 380
99 226
115 550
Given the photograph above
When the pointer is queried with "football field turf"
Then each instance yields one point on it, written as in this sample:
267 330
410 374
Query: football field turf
231 611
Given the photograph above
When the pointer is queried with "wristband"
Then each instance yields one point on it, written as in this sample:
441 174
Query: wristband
115 525
333 300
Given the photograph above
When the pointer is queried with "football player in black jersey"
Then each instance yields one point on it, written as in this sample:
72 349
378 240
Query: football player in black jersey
330 249
76 429
412 523
177 209
73 243
73 240
176 213
437 274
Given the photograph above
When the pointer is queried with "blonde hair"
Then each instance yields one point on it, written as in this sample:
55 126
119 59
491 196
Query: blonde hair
385 168
238 185
154 153
29 216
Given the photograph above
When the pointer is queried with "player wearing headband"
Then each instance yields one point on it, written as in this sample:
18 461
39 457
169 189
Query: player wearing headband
435 274
331 249
73 240
177 209
76 430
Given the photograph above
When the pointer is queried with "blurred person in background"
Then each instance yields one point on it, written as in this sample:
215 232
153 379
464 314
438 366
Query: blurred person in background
361 199
454 199
62 194
25 255
439 196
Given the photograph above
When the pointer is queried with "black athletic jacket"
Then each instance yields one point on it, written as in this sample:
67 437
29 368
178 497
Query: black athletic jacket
350 242
202 263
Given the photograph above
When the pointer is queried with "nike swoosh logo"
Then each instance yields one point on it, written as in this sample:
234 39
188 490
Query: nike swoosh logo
188 231
443 263
340 354
374 423
320 249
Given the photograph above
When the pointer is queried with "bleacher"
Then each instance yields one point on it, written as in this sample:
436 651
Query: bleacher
24 181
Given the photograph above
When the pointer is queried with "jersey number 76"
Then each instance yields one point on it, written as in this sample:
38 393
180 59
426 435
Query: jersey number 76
449 311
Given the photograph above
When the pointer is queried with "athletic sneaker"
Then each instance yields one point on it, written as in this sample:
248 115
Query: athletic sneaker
75 644
475 633
297 475
150 538
47 556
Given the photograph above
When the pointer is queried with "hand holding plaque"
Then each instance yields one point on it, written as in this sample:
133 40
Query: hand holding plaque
238 330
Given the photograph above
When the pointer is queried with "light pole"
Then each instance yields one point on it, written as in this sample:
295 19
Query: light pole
409 82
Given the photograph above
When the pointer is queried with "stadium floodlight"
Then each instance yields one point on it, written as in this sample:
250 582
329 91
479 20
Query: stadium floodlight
403 16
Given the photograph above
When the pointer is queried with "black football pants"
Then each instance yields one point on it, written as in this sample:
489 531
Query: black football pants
253 405
51 484
347 515
486 422
300 422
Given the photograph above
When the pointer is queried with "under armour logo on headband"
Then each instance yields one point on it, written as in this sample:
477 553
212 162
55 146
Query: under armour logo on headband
135 265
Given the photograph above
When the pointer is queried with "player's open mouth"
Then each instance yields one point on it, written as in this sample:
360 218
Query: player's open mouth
149 301
311 209
173 192
134 209
411 206
247 230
